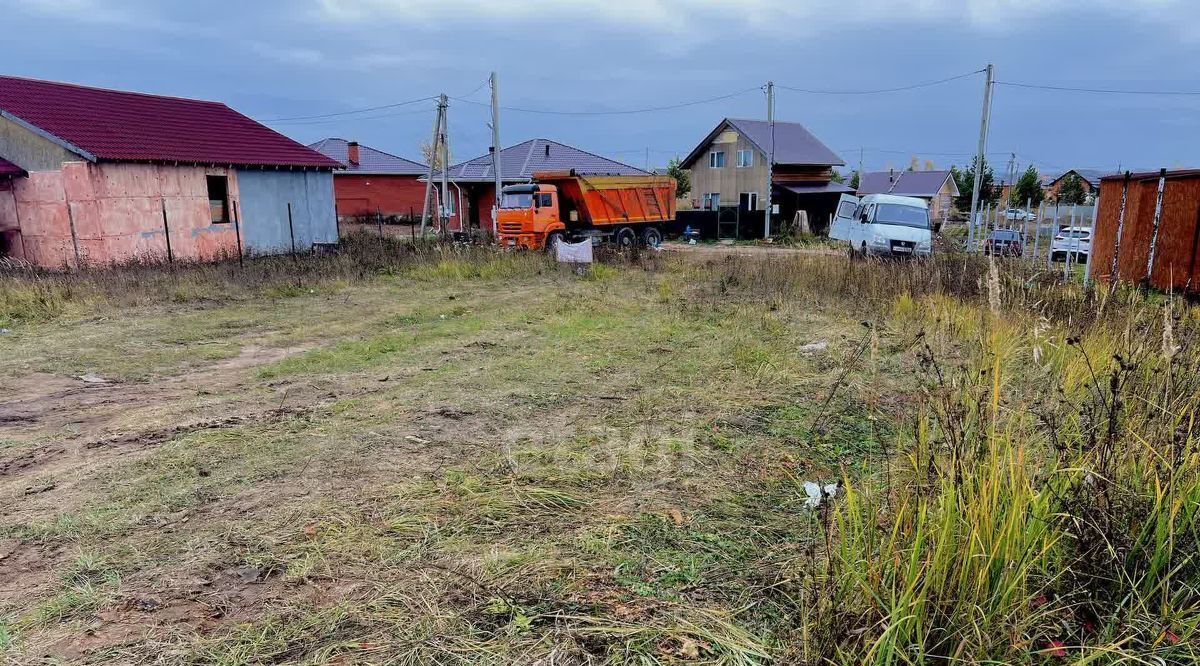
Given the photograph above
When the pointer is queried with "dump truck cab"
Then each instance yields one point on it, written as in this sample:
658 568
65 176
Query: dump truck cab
528 213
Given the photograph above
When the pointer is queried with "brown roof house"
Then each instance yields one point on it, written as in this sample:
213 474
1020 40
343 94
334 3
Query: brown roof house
1088 178
729 173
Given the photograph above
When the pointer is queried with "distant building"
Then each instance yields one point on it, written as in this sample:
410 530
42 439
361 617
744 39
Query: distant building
936 187
473 188
729 169
373 182
1089 178
100 176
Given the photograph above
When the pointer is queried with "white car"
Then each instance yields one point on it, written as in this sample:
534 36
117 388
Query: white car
883 225
1017 215
1076 241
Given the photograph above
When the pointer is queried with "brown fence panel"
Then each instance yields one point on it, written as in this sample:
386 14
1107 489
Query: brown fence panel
1103 240
1139 220
1175 256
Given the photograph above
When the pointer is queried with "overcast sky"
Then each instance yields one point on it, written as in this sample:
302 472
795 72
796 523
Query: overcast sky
287 58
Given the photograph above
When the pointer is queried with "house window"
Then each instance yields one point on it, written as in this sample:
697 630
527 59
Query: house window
716 159
745 158
712 200
218 199
748 200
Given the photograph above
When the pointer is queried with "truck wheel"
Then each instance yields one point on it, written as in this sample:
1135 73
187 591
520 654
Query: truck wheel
552 239
626 238
651 237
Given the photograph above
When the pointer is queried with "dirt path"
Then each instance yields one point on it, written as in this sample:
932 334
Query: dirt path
59 430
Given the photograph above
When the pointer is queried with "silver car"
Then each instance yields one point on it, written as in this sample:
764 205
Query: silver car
1017 215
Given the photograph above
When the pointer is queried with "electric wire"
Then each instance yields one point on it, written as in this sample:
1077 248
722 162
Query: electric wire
1106 91
350 112
877 91
617 112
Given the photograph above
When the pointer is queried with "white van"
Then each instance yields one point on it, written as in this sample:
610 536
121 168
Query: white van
883 225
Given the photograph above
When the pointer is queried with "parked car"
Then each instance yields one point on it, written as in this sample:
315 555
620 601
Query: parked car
1018 215
883 225
1076 241
1003 243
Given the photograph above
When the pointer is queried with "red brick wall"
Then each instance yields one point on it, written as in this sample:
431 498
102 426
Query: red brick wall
365 195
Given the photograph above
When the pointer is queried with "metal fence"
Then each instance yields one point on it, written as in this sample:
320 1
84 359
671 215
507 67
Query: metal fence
1038 225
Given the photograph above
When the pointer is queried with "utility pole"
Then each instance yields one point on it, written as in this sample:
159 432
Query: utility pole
861 150
1012 177
445 160
770 157
496 150
433 158
980 156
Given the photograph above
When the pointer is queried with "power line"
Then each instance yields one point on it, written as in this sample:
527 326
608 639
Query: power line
620 112
347 113
477 89
642 150
918 152
1104 91
339 120
914 86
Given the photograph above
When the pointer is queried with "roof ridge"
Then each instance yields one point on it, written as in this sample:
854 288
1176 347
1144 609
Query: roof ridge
327 139
118 91
776 121
489 154
588 152
384 152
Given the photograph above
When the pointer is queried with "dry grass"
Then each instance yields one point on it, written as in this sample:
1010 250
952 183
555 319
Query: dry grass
485 459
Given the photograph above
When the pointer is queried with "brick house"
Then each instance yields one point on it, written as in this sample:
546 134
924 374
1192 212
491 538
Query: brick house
98 176
1089 178
373 182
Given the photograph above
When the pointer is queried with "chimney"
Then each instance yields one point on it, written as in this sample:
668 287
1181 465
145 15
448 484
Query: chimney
352 153
547 150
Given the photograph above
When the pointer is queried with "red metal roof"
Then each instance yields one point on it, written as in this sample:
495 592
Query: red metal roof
129 126
8 169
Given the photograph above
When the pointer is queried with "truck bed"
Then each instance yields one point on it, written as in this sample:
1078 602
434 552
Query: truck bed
613 200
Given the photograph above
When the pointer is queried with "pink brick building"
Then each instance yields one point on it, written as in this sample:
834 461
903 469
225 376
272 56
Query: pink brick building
93 176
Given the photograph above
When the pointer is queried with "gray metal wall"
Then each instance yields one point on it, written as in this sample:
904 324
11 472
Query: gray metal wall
263 208
30 151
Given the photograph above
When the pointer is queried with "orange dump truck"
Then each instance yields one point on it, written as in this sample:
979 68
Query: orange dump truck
569 206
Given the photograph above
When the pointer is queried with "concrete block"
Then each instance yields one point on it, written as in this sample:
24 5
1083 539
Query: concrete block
40 187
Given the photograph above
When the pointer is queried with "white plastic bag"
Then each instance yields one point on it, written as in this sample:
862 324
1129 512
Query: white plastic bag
574 253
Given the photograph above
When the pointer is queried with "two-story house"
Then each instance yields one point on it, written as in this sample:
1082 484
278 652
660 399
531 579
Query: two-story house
729 168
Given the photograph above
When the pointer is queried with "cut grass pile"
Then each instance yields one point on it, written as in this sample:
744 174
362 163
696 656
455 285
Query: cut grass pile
484 459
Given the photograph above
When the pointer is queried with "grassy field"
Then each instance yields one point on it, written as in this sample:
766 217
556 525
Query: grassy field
449 456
